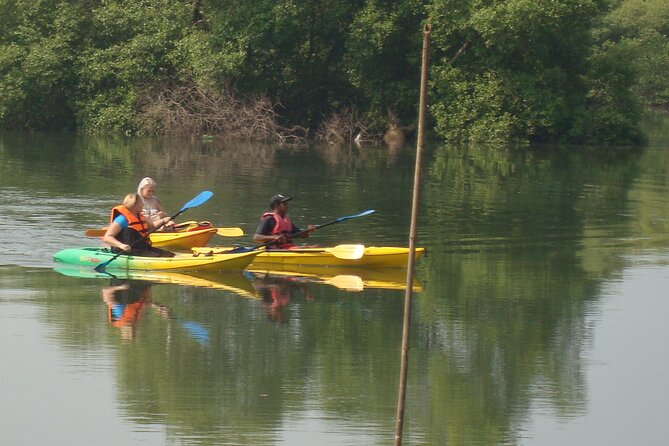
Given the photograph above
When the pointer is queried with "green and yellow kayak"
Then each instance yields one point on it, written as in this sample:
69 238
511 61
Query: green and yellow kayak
358 256
92 257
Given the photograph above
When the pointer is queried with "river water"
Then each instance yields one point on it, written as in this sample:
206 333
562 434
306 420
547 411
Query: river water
539 312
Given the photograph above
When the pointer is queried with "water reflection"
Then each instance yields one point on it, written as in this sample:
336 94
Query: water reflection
277 292
525 248
232 281
126 302
344 278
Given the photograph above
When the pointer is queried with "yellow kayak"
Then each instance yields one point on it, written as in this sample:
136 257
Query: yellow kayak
182 240
341 255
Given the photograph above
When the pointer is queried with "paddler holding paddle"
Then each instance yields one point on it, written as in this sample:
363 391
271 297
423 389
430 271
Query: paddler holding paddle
276 229
152 209
128 229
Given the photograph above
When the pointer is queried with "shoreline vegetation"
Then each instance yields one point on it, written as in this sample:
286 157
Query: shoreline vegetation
515 71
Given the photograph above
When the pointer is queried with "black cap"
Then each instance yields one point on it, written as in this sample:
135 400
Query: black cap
278 199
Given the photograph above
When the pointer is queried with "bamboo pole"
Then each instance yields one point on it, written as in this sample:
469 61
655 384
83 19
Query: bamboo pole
412 235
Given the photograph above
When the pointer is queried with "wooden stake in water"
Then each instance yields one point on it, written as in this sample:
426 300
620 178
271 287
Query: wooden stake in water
412 235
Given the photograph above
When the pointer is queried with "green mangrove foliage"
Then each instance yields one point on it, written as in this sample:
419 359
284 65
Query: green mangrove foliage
637 33
513 70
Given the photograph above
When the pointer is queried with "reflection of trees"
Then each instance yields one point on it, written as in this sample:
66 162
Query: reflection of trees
507 302
235 385
519 240
507 330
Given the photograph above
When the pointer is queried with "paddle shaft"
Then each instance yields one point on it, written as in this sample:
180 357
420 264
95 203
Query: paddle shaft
340 219
201 198
223 232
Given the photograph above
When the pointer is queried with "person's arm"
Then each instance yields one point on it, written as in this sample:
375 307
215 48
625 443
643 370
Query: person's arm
161 212
155 223
159 207
113 230
305 234
264 232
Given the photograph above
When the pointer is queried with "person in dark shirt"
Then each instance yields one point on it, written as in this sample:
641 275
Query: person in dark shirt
276 228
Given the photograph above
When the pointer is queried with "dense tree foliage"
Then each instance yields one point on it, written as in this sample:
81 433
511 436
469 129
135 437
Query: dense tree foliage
637 34
515 70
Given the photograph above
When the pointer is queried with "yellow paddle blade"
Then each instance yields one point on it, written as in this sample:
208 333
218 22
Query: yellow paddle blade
230 232
347 252
348 282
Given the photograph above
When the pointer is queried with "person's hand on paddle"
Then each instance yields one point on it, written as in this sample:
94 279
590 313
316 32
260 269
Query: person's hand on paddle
280 238
307 232
163 222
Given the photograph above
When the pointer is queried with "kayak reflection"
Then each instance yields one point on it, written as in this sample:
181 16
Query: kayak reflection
348 279
232 281
277 288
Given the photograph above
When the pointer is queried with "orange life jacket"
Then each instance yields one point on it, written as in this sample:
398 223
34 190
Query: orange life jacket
282 225
137 232
138 223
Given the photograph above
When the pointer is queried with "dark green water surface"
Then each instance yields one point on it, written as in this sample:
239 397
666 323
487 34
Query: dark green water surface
539 316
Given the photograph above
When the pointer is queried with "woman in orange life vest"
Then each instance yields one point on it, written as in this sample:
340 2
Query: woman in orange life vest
128 229
276 227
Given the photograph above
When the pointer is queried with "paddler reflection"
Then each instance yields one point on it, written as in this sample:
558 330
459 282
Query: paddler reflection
126 304
276 293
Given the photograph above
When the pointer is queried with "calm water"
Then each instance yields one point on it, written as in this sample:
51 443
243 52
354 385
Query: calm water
539 317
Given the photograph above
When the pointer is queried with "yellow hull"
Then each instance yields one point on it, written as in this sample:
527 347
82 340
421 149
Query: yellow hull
373 257
182 240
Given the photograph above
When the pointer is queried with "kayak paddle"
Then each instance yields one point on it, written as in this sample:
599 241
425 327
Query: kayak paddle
195 202
340 219
223 232
345 252
230 232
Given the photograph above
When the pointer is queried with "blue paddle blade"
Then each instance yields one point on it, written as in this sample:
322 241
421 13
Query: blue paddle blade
197 331
201 198
362 214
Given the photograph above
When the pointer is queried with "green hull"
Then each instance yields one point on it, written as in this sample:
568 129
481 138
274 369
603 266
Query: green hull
92 257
